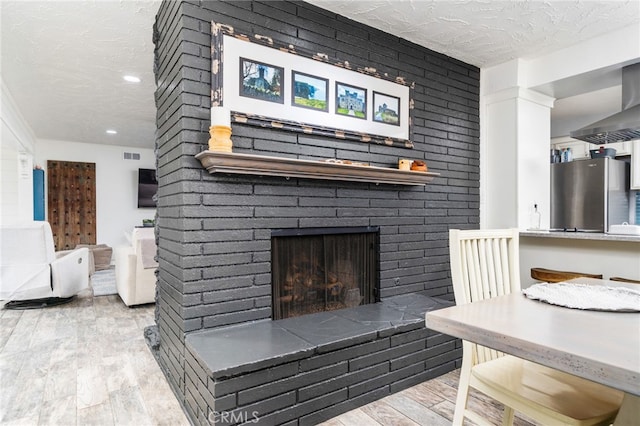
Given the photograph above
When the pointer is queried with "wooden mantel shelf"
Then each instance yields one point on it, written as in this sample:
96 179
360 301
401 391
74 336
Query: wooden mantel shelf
249 164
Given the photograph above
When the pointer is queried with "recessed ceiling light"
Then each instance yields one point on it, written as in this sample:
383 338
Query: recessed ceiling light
131 78
111 132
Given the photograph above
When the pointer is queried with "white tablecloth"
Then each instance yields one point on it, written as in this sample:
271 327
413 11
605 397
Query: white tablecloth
584 296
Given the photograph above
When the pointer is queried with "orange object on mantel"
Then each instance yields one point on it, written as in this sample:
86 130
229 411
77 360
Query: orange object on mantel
220 140
419 166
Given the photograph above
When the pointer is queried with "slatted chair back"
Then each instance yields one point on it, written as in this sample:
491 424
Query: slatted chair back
484 264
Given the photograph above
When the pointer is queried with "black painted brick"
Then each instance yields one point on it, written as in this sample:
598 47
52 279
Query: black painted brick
203 237
339 408
294 382
384 355
235 293
343 354
342 381
235 384
384 380
269 405
411 359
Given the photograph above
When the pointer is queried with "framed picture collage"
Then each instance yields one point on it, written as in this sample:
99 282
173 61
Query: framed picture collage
267 84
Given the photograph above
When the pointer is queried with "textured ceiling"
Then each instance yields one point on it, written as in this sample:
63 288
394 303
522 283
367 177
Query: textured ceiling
486 33
63 62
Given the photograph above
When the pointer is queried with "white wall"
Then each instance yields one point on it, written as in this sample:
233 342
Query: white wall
116 183
116 178
589 57
16 159
574 112
12 210
609 258
516 132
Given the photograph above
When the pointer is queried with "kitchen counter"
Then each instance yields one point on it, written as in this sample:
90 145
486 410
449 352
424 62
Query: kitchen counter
594 236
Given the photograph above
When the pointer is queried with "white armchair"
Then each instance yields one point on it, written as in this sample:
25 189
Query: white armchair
136 267
31 270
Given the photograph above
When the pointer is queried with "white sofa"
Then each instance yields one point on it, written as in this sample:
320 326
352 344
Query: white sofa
30 268
136 267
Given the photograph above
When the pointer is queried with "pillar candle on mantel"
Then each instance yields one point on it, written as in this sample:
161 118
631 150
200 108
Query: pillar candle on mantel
220 116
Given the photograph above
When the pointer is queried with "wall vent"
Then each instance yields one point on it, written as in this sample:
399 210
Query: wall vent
131 156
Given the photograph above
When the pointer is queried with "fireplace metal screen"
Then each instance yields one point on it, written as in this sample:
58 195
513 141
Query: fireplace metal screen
314 270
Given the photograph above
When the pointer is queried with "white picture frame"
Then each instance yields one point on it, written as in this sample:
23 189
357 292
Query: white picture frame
233 88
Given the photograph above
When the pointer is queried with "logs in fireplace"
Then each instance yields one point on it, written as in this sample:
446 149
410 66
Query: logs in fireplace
322 269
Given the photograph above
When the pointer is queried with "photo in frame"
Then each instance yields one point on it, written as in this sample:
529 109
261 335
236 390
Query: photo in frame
351 101
386 109
262 81
309 91
305 89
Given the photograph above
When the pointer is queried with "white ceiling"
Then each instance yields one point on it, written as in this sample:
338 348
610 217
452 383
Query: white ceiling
63 62
487 32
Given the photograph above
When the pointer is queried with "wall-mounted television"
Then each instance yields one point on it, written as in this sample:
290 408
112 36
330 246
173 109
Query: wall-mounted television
147 187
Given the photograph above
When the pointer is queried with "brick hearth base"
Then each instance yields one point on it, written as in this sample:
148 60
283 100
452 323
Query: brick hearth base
304 370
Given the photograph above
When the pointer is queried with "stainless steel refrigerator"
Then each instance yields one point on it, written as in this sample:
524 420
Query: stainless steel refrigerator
589 195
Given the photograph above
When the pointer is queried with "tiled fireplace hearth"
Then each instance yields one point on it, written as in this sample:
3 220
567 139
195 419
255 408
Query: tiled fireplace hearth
352 327
304 370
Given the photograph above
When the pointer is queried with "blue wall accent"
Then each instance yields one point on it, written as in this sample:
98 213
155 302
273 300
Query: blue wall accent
38 194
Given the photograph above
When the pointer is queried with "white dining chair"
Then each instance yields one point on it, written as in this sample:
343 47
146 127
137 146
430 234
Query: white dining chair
485 264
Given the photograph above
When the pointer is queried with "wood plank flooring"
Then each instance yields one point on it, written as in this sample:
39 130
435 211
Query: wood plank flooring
428 404
86 363
83 363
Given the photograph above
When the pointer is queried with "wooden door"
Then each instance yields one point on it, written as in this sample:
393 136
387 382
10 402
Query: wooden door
71 197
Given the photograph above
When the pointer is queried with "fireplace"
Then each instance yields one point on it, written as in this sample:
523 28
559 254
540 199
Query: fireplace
322 269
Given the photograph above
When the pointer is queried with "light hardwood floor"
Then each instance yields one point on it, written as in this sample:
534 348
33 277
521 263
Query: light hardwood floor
428 404
83 363
87 363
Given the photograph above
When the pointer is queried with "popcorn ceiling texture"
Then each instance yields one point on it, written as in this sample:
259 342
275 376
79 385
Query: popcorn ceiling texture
487 33
64 62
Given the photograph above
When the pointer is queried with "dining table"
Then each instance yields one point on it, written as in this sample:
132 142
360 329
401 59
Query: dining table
599 345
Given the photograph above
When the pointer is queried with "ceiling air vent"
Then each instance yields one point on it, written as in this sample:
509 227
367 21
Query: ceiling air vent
131 156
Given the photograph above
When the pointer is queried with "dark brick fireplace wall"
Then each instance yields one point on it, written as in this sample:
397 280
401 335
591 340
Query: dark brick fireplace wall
214 230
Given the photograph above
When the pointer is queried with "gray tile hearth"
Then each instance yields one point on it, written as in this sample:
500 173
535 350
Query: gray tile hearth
252 346
246 347
315 366
328 330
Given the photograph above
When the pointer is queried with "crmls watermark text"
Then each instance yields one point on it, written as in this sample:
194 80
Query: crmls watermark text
222 417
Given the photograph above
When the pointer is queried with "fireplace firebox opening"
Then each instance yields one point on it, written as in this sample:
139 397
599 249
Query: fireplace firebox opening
323 269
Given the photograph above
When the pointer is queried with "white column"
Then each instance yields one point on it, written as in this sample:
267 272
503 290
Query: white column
514 157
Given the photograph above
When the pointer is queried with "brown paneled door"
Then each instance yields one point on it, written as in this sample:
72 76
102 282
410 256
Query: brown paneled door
71 198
